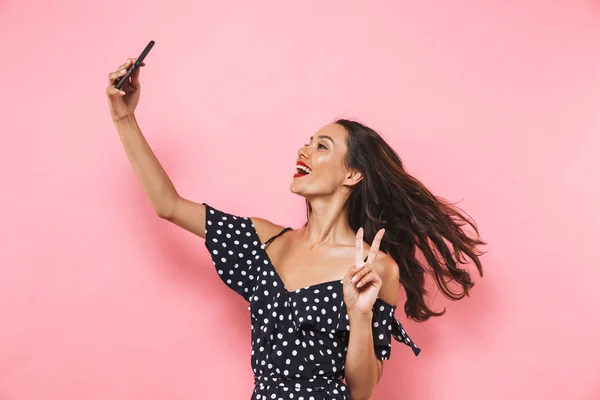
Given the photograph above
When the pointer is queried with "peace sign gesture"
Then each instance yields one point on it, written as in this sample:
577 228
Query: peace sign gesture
362 283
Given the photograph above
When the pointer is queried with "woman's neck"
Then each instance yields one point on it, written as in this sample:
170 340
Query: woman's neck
328 224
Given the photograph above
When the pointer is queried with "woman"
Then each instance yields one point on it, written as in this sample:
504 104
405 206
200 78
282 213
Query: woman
323 315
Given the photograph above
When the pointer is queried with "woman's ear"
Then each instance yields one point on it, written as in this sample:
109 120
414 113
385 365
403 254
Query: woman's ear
353 177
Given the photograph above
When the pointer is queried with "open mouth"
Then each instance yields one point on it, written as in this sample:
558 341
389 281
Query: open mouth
301 170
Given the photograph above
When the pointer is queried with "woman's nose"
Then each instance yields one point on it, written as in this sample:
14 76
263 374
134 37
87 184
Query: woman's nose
303 151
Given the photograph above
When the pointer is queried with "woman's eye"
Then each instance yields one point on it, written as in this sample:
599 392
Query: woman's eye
319 146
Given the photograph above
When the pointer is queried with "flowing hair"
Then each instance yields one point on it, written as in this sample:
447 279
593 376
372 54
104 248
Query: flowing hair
388 197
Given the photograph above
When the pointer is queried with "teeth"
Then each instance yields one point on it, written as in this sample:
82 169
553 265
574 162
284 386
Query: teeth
303 168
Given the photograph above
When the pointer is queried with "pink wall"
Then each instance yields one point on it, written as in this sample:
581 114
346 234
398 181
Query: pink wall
493 103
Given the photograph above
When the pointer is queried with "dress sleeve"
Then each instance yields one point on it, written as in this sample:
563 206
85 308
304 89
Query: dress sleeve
386 326
233 244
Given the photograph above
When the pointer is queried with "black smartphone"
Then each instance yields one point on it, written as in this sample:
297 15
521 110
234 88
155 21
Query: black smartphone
122 80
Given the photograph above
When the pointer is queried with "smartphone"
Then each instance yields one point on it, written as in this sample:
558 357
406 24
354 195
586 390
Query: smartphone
122 80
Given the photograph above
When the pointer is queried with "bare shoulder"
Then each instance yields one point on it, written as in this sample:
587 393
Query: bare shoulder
387 269
265 229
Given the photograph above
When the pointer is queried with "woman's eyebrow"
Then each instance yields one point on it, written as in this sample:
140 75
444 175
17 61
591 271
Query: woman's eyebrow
324 137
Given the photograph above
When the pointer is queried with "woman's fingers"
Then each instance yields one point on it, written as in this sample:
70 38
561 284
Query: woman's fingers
113 92
120 71
375 246
112 77
364 276
372 252
358 262
369 277
361 273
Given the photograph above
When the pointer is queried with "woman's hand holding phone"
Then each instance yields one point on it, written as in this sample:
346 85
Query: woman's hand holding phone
122 102
123 89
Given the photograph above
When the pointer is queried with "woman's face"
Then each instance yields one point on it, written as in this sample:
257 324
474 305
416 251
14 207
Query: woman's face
323 154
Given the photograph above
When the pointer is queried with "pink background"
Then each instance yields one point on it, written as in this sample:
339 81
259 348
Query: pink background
493 104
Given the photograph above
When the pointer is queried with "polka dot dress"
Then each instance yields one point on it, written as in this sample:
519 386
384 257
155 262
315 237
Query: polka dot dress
299 338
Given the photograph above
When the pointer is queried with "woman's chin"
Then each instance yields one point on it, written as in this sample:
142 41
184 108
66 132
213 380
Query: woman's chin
297 188
294 189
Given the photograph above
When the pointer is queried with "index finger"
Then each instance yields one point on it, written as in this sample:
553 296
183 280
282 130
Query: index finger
121 70
375 246
359 248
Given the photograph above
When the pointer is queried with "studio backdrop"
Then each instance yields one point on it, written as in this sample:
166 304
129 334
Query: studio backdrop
492 105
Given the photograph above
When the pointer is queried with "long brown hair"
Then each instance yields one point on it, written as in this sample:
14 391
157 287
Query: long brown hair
389 197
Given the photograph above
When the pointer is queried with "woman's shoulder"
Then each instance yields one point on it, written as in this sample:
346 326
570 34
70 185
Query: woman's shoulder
387 269
265 229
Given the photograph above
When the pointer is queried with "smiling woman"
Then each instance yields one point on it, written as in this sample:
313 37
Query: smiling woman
323 315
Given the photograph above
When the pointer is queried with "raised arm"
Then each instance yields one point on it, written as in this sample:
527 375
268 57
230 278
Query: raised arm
154 180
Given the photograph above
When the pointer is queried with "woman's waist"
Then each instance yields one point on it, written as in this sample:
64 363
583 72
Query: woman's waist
291 381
